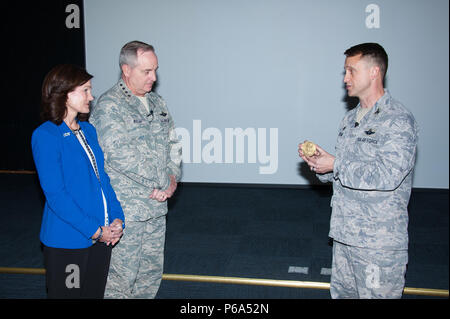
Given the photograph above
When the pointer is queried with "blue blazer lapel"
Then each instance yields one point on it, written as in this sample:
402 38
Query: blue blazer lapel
72 141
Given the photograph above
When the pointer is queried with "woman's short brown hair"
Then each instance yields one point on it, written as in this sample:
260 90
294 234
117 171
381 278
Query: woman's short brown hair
61 80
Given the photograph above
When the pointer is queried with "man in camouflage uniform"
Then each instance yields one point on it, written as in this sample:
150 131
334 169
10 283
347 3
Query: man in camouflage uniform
142 158
372 179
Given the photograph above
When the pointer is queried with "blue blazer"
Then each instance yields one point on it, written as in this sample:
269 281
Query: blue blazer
74 204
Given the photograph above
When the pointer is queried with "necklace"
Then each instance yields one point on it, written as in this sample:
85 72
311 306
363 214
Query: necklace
72 129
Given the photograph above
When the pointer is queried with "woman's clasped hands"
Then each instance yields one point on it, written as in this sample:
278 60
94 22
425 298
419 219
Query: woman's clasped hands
111 234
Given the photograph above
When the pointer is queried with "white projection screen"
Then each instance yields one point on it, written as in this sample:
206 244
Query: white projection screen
247 80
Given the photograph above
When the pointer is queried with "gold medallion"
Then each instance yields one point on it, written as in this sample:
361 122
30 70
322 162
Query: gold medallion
309 148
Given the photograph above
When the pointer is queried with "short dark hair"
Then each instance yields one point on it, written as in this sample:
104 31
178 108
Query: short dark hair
61 80
372 50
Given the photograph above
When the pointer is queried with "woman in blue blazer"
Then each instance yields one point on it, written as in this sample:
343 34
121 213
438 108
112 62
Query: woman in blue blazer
82 218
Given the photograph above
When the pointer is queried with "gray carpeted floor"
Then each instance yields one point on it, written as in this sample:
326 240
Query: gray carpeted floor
236 231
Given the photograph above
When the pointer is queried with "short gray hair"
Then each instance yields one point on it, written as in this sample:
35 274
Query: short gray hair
128 53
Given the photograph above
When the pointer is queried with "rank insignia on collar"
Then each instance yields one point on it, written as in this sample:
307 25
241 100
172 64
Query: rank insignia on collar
66 134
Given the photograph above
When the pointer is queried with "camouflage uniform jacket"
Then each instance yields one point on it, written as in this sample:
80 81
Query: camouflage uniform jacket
141 149
372 177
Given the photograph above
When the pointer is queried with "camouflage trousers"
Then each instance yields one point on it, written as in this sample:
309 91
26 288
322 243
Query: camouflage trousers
363 273
137 260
